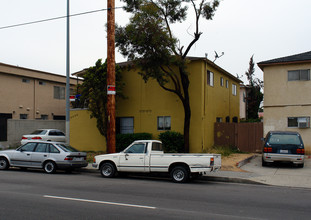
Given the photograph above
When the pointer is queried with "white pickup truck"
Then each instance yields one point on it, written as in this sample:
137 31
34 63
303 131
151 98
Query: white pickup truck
147 156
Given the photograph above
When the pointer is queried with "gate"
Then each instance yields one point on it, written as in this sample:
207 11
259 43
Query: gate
245 136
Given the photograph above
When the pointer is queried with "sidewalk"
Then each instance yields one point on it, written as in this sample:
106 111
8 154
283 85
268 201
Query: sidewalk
277 175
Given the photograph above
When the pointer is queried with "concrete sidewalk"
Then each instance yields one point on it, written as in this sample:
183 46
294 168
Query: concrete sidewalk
277 175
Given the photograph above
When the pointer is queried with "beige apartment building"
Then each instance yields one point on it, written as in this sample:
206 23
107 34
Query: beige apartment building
31 94
287 101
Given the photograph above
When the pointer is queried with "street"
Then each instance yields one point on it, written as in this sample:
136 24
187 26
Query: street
32 194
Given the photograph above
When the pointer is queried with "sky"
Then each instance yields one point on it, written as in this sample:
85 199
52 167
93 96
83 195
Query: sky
267 29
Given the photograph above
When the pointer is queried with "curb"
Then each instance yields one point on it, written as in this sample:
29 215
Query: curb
245 161
231 180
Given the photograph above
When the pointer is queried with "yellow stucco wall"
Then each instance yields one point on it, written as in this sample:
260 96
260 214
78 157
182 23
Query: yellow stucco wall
285 99
84 134
146 101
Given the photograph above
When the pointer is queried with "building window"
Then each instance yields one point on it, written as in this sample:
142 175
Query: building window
25 80
59 92
233 89
44 117
227 119
125 125
164 123
235 119
42 83
298 122
227 84
23 116
221 81
298 75
210 78
218 119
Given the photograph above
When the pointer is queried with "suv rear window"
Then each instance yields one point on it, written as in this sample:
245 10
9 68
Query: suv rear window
284 139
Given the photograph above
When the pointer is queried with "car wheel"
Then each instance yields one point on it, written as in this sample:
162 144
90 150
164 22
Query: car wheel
4 164
49 167
108 170
179 174
263 163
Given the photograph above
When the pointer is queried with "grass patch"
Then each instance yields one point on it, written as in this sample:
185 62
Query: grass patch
224 150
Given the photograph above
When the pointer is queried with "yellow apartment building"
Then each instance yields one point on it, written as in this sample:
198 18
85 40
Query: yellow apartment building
214 97
287 104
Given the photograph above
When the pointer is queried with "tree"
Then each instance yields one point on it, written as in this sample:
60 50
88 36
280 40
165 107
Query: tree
254 94
148 42
94 93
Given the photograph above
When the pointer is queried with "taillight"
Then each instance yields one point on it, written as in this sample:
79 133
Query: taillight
36 138
68 158
94 160
24 138
300 151
267 149
212 161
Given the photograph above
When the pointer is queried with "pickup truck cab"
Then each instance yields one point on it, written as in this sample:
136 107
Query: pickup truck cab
147 156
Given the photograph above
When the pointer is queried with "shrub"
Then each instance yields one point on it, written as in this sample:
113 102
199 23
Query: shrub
172 142
124 140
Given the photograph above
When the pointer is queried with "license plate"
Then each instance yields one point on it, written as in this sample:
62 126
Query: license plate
284 151
78 158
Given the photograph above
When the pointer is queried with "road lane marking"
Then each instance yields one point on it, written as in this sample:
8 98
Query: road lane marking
100 202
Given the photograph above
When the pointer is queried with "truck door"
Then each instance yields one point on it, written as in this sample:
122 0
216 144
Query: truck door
133 158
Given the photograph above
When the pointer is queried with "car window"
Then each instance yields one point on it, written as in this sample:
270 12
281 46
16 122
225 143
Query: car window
52 133
29 147
42 148
42 132
136 148
53 149
59 133
67 148
284 139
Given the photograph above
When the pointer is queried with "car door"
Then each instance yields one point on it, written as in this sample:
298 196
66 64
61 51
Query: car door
133 158
40 154
22 156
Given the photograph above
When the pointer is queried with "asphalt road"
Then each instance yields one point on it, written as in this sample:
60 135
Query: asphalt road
33 194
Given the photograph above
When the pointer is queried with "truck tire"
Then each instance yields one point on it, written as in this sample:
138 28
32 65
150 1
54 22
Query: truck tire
4 163
179 174
108 170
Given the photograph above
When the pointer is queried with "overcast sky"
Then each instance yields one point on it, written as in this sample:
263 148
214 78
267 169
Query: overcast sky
266 29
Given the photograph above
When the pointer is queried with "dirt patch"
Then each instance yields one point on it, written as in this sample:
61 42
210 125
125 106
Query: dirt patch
230 163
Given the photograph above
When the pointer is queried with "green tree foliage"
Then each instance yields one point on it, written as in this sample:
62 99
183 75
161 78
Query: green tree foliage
254 94
173 142
94 93
149 43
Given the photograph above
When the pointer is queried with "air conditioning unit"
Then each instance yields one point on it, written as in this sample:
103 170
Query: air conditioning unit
304 122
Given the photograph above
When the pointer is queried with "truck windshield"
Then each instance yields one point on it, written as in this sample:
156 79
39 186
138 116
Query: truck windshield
284 139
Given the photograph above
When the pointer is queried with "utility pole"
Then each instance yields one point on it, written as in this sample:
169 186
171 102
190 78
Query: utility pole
67 80
111 78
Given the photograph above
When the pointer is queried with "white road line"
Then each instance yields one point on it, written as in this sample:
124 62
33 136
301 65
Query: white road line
100 202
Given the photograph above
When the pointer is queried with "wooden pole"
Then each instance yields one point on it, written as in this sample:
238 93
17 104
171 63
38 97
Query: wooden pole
111 100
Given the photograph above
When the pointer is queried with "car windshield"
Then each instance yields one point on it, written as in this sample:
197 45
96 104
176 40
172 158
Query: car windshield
284 139
39 132
67 148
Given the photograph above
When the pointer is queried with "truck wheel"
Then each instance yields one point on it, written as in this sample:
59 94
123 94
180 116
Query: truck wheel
4 164
49 167
108 170
179 174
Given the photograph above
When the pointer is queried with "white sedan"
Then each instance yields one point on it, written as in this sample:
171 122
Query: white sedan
44 135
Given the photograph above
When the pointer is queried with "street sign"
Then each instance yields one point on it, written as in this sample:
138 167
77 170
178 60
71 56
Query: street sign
72 98
111 90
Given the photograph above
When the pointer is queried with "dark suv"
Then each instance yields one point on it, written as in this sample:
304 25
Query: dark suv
283 146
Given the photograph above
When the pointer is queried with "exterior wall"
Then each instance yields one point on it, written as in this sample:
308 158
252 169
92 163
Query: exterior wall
285 99
84 134
30 98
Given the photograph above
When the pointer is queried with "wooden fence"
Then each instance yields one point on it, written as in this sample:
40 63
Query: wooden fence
245 136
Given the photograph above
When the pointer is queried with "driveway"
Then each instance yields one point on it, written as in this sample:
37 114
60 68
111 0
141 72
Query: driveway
279 174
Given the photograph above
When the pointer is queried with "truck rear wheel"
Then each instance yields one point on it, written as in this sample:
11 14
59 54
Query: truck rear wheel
108 170
179 174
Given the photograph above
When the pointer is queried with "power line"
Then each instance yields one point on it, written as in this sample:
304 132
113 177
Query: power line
56 18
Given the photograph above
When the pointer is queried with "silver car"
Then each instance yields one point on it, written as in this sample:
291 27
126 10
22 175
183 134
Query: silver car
44 135
45 155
